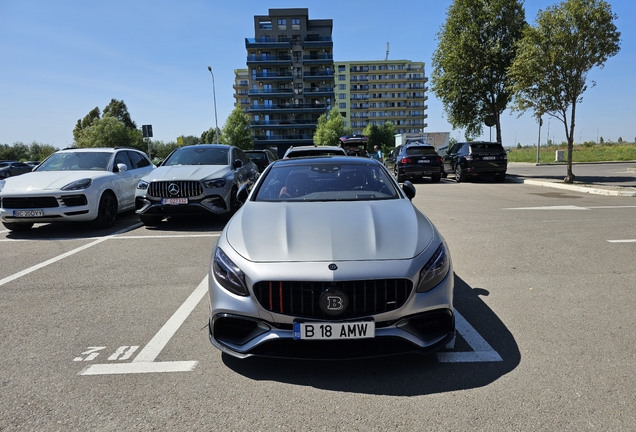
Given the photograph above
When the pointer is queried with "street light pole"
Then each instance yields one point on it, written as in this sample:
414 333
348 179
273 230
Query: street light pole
216 132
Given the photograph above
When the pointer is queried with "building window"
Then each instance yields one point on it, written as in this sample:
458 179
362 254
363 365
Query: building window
342 105
295 23
342 86
341 68
265 25
282 24
342 96
341 77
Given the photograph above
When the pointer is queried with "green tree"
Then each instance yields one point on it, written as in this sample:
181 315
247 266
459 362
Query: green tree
113 128
210 136
330 128
236 130
189 140
477 45
554 57
382 136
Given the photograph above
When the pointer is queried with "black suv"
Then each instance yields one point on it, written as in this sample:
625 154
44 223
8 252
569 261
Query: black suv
467 159
261 158
414 161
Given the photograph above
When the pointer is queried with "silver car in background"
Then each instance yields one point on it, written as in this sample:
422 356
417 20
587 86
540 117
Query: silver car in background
328 258
196 179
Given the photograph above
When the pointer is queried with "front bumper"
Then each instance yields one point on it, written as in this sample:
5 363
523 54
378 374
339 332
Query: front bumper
422 170
213 204
53 208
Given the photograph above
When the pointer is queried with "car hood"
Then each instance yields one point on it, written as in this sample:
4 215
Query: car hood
187 172
47 180
329 231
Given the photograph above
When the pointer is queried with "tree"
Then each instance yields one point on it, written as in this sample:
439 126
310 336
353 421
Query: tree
554 57
330 128
477 45
236 130
185 140
210 136
114 128
382 136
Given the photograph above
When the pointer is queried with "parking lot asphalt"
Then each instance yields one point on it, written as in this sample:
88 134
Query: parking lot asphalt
608 178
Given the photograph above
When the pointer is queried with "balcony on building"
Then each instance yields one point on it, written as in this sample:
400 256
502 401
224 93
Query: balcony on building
322 90
287 108
265 42
283 124
318 75
283 141
269 60
271 92
272 76
315 41
318 58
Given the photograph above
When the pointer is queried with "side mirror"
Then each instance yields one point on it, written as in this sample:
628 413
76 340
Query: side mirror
121 167
243 193
408 189
237 163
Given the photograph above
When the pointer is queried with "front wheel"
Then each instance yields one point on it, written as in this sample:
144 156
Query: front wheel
106 212
17 226
396 173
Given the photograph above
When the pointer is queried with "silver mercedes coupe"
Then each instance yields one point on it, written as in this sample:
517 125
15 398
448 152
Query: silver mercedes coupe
329 259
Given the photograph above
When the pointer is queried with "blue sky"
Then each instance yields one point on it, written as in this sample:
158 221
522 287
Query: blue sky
59 60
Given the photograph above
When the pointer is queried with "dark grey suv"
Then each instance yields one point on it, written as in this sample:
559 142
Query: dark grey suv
469 159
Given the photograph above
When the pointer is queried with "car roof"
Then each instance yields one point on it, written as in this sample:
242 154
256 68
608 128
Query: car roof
206 146
341 159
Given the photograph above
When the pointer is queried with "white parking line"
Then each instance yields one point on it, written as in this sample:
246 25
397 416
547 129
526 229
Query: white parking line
623 241
144 362
482 351
64 255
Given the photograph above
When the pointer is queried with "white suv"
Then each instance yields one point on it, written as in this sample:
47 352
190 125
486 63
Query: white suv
75 184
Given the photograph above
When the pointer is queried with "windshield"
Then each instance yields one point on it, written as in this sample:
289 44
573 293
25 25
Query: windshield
198 156
326 181
77 161
315 152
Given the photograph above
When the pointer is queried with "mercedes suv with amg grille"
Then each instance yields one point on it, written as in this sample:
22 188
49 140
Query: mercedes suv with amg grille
195 179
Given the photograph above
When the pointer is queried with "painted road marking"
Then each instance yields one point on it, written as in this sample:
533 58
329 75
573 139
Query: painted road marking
570 207
482 351
623 241
144 362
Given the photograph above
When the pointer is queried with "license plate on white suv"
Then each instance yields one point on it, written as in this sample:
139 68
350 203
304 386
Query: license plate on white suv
28 213
334 330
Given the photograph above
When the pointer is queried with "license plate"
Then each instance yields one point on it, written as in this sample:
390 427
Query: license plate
332 330
174 201
28 213
488 158
423 161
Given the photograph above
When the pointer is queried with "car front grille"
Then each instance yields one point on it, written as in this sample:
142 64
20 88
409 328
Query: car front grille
301 299
29 202
179 189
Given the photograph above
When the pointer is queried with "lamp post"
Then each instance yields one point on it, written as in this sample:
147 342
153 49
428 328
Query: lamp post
216 131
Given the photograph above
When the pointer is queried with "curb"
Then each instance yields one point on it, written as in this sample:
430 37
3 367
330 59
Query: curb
584 189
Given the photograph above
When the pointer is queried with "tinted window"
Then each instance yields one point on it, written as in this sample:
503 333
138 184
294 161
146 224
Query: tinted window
326 181
138 160
198 156
420 151
122 158
486 147
257 156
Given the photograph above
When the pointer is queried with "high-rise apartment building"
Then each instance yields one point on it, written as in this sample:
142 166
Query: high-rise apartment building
376 92
289 78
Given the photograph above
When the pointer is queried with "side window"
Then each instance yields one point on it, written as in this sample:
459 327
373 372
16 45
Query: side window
456 148
137 160
122 157
242 156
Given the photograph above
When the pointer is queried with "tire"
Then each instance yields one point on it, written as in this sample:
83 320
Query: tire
106 211
17 226
7 175
396 173
459 174
150 220
500 177
435 178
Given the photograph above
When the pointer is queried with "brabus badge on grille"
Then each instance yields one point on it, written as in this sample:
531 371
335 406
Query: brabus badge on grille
333 302
332 266
173 189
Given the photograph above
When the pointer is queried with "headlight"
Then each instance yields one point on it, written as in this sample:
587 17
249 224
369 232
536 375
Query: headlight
435 270
228 274
216 183
78 184
142 185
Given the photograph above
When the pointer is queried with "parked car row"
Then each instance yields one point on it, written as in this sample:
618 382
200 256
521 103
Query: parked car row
463 160
96 184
